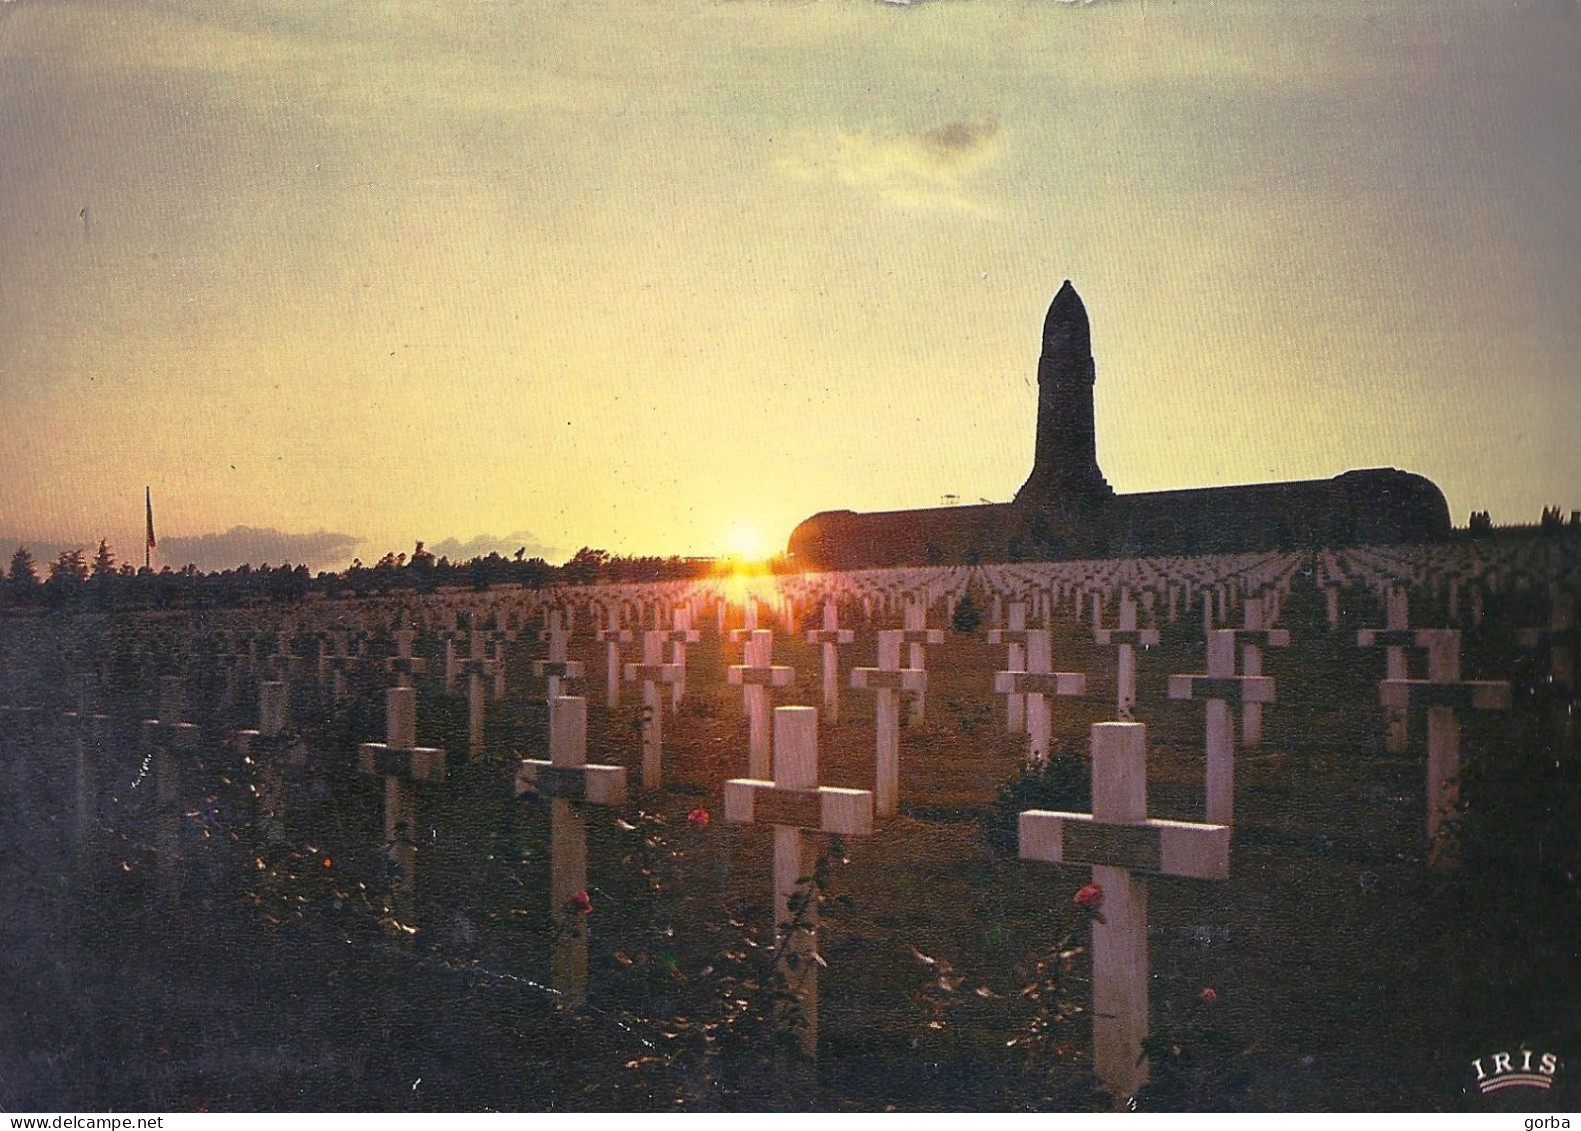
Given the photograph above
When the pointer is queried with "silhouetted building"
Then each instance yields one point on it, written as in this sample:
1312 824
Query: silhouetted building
1066 509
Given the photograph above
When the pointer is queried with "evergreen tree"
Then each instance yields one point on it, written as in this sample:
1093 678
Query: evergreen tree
67 576
104 574
22 580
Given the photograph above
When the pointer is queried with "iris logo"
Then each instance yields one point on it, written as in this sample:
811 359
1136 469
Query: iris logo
1506 1073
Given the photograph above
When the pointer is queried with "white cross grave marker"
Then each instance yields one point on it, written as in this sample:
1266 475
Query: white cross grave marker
1443 693
1127 636
1220 687
793 802
402 763
679 637
1395 637
755 676
162 737
1014 637
831 636
652 673
1036 684
568 779
1119 840
476 667
918 635
612 636
888 681
1254 637
558 666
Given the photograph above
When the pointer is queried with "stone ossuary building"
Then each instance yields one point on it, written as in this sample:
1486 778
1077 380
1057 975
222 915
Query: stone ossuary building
1066 509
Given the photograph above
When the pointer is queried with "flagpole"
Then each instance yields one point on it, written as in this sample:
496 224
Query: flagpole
148 542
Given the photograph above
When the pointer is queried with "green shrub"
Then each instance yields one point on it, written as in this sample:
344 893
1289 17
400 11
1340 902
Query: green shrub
1064 782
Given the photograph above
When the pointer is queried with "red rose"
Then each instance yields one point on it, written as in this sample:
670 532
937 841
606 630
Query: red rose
579 904
698 818
1089 898
1210 995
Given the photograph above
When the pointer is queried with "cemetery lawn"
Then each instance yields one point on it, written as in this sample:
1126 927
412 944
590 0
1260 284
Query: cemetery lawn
1346 974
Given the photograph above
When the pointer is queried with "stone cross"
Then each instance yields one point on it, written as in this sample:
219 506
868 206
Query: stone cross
749 621
919 636
88 733
1127 636
24 737
402 763
680 635
235 664
1119 840
652 673
1221 687
282 664
793 802
1395 637
1443 693
1036 685
888 680
831 636
335 662
558 666
403 665
1331 607
755 676
1014 636
1253 638
265 747
162 736
612 636
1560 636
476 667
569 781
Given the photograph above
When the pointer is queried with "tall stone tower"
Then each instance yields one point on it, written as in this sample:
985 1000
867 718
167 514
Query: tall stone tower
1065 466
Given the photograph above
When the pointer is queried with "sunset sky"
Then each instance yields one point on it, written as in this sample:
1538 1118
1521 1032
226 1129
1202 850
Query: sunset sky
658 277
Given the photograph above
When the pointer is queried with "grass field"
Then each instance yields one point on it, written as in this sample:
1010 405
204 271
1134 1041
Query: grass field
1346 974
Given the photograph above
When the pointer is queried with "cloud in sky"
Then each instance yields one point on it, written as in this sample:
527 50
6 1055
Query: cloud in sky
256 546
938 166
482 545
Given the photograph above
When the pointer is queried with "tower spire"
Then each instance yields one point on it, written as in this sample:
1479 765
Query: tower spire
1065 463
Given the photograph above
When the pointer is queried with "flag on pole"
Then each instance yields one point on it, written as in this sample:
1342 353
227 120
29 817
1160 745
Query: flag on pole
149 499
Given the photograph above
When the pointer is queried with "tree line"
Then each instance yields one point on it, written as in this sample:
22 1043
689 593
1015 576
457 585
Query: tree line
73 580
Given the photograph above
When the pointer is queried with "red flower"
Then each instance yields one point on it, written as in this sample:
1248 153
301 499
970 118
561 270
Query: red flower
1089 898
579 904
1210 995
698 818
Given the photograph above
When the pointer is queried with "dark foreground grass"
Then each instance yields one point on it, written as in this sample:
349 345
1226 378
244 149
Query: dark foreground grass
1345 973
